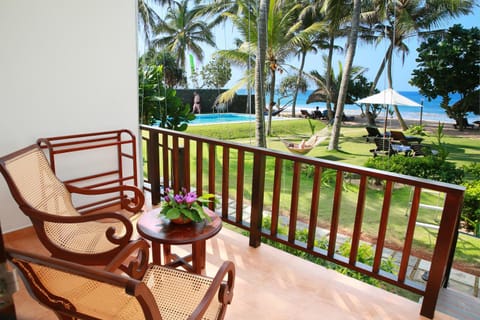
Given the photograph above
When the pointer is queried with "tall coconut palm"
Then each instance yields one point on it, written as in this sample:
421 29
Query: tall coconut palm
322 94
183 30
338 14
311 36
404 19
219 9
352 45
279 44
262 22
148 17
244 55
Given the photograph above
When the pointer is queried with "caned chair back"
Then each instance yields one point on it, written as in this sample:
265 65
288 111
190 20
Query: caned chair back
88 239
35 183
75 291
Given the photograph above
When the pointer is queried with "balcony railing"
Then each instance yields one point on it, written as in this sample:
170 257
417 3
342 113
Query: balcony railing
303 194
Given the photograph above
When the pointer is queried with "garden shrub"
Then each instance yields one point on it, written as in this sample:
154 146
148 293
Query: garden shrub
365 254
417 130
471 202
430 167
471 207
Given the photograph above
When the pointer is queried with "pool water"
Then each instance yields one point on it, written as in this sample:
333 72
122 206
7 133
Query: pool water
212 118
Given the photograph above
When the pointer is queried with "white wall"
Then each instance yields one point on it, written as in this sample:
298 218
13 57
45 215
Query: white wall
65 67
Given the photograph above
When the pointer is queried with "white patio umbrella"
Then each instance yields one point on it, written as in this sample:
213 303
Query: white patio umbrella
388 97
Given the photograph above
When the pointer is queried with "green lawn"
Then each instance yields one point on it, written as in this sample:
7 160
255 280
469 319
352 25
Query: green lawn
353 147
355 150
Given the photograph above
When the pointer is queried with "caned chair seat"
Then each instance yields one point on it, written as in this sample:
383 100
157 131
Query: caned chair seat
75 291
92 239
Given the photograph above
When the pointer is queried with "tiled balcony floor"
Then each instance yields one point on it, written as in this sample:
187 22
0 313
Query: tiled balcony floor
271 284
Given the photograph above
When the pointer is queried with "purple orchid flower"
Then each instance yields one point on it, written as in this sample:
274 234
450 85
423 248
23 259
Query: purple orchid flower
179 198
191 197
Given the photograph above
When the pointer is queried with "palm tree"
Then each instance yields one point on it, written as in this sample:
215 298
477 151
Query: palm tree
352 45
148 18
259 72
311 36
404 19
244 56
279 45
323 94
337 13
182 31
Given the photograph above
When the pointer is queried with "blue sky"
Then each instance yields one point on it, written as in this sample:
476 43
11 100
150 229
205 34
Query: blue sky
367 56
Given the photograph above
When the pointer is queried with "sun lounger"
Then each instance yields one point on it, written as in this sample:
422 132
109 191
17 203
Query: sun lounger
399 137
419 150
373 132
306 114
385 146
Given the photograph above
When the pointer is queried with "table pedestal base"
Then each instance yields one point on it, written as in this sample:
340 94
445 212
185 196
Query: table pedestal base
194 262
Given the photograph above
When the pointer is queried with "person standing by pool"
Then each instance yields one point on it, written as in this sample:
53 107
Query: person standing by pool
196 102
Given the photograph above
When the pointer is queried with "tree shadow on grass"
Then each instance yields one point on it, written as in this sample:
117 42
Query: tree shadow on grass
331 158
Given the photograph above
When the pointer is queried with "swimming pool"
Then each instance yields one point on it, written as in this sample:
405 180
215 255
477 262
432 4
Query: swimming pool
212 118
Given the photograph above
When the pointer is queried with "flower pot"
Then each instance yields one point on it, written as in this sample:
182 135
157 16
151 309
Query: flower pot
181 220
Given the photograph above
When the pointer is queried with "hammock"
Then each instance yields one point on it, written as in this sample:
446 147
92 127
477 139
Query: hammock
311 143
276 112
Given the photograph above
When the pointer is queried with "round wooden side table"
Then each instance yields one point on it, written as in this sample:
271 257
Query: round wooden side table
161 232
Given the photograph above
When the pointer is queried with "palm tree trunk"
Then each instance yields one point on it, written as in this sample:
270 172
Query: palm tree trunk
380 69
390 85
299 78
328 77
260 75
342 94
271 101
371 119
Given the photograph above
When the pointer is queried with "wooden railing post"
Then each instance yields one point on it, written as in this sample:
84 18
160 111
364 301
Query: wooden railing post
181 169
154 166
258 187
442 251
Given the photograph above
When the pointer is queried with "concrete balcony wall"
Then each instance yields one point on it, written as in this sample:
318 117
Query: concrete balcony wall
66 68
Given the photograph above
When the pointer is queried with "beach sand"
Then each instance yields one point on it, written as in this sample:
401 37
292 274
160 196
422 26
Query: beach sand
430 127
393 124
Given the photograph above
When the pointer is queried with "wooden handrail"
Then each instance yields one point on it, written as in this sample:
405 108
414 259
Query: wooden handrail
223 161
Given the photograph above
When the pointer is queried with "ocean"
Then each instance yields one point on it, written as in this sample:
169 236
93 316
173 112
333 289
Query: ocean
431 110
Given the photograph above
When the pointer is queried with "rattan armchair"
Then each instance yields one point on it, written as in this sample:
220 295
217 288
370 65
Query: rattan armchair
74 291
90 239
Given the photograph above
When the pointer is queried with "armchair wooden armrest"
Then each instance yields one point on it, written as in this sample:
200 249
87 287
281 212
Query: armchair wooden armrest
136 267
224 289
132 204
118 229
92 239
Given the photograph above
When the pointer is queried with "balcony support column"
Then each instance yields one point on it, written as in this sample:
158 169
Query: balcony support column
153 166
258 188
